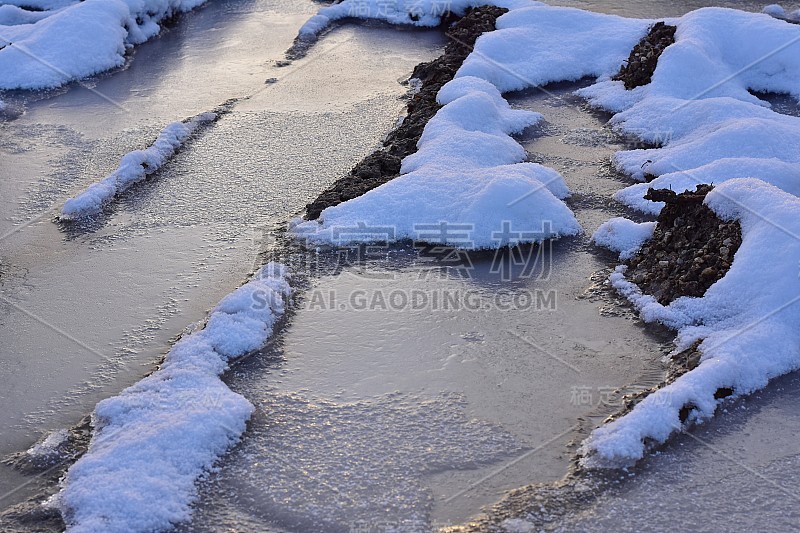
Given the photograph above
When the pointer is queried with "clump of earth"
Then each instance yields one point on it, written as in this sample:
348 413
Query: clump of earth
638 69
691 248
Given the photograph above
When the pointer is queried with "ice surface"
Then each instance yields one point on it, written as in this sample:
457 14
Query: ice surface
153 440
623 236
72 39
321 465
747 321
467 175
134 167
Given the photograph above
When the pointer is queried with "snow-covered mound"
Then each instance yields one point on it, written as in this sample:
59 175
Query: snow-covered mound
134 167
154 440
701 109
749 322
71 39
467 175
425 13
539 45
624 236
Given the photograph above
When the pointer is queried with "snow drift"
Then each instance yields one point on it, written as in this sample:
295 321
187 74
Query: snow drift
152 442
72 39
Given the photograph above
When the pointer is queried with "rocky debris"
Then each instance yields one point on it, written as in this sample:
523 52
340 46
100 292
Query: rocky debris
638 69
384 164
691 248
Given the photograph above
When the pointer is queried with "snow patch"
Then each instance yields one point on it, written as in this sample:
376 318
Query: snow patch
49 446
72 39
624 236
539 45
748 322
134 167
700 109
153 440
426 13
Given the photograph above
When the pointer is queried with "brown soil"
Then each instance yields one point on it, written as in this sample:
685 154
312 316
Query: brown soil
638 69
691 248
384 164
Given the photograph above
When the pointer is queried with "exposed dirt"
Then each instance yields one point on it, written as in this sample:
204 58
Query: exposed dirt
384 164
638 69
691 248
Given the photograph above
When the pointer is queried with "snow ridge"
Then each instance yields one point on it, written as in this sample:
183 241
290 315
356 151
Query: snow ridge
153 440
426 13
134 167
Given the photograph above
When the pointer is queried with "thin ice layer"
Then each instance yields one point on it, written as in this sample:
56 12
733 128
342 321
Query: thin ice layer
134 167
153 440
466 185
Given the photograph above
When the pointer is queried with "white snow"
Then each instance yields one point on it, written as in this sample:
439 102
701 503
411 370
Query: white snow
467 178
538 45
134 167
153 441
48 447
749 322
700 108
72 39
624 236
412 12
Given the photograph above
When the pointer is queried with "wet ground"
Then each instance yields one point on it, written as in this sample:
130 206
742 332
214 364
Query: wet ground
415 414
